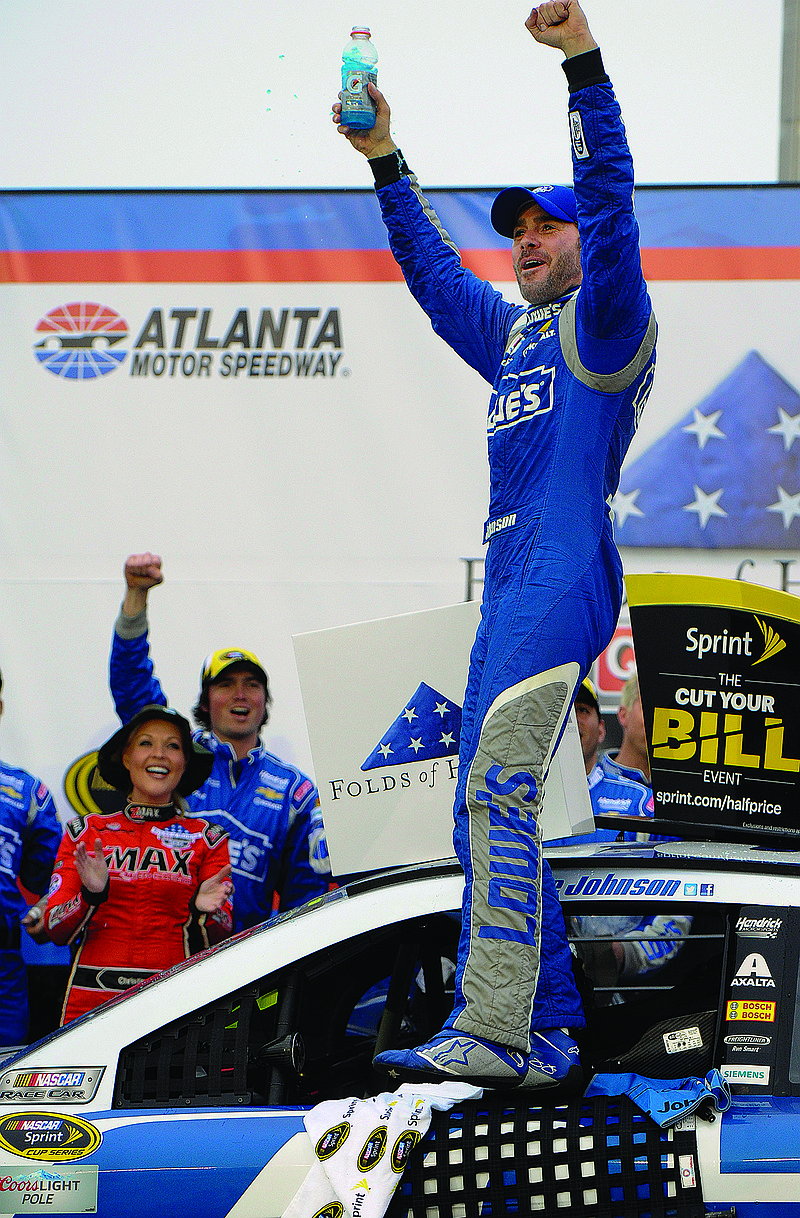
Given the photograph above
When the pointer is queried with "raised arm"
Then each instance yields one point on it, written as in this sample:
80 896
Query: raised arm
613 303
131 675
466 312
561 24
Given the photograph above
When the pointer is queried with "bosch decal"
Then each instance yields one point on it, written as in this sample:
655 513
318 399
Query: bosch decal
750 1010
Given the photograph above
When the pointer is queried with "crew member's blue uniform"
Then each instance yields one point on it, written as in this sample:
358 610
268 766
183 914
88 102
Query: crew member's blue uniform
569 379
29 839
269 808
613 769
612 795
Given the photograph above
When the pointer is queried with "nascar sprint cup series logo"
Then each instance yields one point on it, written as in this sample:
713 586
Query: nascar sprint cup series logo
84 340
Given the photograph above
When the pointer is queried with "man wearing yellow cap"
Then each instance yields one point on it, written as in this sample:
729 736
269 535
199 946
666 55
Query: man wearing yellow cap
269 808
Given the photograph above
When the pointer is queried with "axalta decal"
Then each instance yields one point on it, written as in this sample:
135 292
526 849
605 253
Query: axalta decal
613 885
48 1135
754 971
81 341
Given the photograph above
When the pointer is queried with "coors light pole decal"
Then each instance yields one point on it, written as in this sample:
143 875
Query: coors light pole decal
719 674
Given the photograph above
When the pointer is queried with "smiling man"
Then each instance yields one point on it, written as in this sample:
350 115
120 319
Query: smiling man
570 375
269 808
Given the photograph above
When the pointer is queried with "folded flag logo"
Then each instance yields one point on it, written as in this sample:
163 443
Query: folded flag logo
428 726
726 475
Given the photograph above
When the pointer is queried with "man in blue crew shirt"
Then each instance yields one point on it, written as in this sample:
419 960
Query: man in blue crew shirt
269 808
29 839
611 794
631 759
570 374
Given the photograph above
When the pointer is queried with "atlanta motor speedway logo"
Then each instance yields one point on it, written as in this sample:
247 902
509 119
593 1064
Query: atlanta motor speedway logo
81 341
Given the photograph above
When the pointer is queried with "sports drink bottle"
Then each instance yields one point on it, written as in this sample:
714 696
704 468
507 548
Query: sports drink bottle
359 59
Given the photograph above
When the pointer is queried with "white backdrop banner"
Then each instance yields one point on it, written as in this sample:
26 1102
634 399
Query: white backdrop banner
241 383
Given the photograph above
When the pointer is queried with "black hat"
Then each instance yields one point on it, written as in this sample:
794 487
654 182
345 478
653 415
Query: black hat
587 694
198 760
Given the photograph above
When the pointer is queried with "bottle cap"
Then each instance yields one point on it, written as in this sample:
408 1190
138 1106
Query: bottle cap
359 29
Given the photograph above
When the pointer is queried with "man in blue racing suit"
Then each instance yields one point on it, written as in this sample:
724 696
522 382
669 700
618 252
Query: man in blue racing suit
269 808
29 839
570 375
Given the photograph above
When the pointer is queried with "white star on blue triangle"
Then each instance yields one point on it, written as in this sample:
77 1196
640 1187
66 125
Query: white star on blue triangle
434 733
724 476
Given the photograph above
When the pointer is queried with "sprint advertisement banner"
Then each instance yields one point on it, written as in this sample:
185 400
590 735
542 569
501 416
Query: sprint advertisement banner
718 672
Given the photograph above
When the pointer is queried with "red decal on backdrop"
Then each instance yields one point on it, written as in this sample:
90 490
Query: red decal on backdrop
616 663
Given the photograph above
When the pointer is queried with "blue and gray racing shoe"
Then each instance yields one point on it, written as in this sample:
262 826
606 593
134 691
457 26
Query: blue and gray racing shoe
552 1064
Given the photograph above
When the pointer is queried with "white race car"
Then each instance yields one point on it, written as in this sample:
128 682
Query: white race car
186 1096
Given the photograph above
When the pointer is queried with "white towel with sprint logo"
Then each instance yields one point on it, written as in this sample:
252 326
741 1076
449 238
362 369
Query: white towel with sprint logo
362 1147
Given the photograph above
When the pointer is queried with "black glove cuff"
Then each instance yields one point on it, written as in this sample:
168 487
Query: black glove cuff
584 70
94 898
388 169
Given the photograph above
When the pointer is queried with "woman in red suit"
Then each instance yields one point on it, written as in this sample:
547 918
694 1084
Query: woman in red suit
140 889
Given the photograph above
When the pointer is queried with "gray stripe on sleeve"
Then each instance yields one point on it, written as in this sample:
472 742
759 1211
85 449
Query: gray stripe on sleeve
603 382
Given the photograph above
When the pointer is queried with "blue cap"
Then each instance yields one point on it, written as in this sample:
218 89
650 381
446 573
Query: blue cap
557 201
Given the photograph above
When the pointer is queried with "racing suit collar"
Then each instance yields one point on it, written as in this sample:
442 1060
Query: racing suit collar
224 746
151 812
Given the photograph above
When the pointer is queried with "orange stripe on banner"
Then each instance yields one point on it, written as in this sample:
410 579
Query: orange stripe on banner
729 262
198 266
352 266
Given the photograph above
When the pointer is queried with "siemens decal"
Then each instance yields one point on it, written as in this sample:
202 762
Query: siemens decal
616 886
193 342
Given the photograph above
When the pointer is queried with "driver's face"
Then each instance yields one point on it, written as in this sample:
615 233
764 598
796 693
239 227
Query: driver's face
546 255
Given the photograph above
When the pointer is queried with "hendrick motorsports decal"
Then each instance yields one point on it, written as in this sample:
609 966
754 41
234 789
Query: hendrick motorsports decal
71 1190
76 1084
48 1135
758 928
